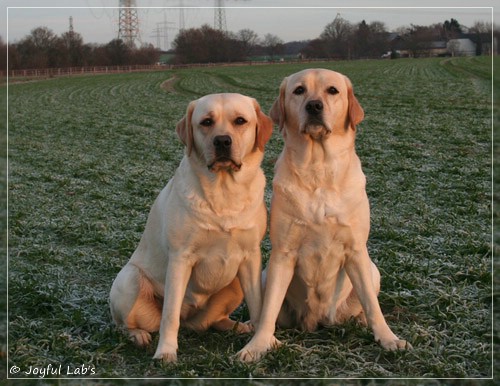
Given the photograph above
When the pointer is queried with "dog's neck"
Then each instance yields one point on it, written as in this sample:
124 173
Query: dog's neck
227 192
320 163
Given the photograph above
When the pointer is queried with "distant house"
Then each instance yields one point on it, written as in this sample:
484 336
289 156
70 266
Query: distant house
463 45
471 44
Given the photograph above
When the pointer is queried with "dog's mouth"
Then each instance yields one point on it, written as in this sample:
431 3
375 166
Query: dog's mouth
316 129
224 163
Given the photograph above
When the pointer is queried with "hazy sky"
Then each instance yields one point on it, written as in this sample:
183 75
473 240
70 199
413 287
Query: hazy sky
98 24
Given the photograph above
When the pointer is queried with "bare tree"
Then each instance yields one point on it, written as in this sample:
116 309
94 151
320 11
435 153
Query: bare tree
73 44
204 45
273 45
3 58
336 36
249 40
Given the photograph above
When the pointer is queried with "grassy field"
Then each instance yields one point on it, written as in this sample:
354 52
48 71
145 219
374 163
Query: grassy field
88 155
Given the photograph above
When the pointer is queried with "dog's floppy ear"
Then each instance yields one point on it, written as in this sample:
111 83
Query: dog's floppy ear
184 128
277 112
356 113
264 128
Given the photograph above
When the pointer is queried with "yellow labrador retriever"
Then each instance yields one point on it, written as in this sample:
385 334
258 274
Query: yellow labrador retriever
319 271
200 251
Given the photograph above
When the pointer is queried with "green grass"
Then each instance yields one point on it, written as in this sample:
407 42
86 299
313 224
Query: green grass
88 155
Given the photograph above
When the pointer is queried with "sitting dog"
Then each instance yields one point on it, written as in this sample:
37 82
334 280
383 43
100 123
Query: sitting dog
319 272
200 251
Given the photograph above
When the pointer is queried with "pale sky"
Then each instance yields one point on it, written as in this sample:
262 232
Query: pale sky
97 20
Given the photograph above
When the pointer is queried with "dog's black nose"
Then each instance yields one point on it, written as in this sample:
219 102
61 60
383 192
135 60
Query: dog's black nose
222 142
314 107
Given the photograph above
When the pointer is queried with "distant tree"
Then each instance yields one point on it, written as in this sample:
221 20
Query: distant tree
36 48
249 41
295 47
316 48
42 38
97 55
205 45
361 41
146 54
481 32
419 39
496 36
117 52
273 45
73 44
3 58
452 28
481 27
188 46
379 39
337 37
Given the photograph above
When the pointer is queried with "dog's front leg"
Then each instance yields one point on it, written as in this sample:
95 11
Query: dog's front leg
358 268
249 274
279 276
177 277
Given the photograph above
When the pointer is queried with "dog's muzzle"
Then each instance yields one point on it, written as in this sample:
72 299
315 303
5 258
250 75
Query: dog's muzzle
314 125
223 159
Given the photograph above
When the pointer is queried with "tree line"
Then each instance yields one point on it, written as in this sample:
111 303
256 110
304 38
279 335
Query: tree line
340 39
42 48
209 45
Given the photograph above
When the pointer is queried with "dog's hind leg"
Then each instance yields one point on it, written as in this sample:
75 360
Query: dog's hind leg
215 313
134 304
351 307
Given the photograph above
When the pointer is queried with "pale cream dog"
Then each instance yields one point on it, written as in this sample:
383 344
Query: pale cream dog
200 251
319 271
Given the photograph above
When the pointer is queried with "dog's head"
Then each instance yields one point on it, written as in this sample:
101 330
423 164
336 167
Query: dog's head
317 102
223 129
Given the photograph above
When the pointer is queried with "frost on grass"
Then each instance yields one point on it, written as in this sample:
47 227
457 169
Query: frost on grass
88 155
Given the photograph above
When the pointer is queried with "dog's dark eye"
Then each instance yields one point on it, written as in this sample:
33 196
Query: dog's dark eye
240 121
207 122
332 90
299 90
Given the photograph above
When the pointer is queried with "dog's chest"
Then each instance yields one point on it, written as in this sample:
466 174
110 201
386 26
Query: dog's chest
319 206
323 206
321 254
218 257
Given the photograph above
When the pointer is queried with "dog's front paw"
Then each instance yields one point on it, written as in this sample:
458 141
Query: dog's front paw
166 354
256 349
244 328
395 344
140 337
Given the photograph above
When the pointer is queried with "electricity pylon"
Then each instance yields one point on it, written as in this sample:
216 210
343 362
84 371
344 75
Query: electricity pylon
128 25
